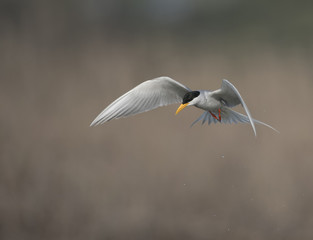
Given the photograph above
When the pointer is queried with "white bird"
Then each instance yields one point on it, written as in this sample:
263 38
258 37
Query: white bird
163 91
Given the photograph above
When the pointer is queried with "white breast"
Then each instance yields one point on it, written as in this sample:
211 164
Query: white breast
207 102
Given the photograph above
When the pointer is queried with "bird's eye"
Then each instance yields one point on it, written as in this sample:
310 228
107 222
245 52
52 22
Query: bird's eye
190 96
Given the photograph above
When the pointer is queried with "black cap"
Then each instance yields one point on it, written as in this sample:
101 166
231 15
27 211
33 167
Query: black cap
190 96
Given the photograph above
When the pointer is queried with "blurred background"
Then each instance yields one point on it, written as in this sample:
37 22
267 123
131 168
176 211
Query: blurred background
151 176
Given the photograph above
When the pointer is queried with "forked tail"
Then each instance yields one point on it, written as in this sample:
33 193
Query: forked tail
228 116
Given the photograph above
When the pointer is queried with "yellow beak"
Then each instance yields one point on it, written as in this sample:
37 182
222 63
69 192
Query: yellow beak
181 107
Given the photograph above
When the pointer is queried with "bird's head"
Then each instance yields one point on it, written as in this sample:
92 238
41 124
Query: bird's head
190 99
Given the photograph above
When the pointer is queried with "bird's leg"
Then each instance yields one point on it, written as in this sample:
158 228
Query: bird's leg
219 114
219 118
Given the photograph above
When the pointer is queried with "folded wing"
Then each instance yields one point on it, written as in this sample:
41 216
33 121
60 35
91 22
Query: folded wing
146 96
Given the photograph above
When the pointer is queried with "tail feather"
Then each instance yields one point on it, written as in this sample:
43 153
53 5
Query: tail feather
228 116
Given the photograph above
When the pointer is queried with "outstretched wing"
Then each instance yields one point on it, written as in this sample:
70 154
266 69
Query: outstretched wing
146 96
228 116
231 97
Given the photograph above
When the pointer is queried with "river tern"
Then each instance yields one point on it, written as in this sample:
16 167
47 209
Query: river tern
163 91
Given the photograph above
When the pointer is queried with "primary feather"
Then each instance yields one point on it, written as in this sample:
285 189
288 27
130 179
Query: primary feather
146 96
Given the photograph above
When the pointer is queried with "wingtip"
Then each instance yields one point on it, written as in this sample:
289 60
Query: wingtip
252 123
94 123
254 131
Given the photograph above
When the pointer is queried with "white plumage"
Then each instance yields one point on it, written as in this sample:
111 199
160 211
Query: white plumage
164 91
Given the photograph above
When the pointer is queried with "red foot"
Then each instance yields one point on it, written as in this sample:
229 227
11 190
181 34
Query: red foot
219 115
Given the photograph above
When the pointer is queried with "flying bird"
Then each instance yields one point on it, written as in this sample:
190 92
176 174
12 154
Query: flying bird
163 91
